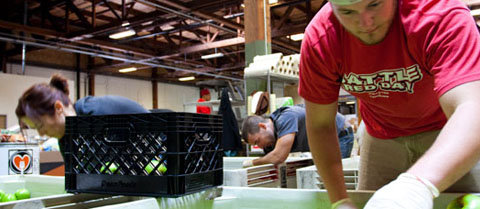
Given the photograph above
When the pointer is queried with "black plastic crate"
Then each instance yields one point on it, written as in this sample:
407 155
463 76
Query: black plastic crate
153 154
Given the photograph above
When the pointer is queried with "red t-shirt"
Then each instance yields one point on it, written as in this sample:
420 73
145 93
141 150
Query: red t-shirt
431 47
203 109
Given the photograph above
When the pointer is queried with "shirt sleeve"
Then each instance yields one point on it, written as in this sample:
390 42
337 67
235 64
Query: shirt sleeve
287 123
452 51
319 77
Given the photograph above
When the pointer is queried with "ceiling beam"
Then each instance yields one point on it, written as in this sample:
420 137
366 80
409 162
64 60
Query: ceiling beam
78 13
288 30
58 35
283 18
206 46
105 2
117 25
203 15
29 29
286 45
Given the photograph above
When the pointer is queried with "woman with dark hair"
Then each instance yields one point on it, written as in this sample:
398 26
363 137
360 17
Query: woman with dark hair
45 106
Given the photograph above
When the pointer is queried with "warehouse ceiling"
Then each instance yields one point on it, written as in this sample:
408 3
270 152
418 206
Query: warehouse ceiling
170 36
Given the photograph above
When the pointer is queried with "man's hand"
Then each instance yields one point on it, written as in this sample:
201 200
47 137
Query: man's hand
344 204
406 192
247 163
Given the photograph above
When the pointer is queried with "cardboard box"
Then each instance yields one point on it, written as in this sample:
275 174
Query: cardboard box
51 163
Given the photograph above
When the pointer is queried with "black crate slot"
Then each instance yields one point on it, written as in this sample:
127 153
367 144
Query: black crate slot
179 153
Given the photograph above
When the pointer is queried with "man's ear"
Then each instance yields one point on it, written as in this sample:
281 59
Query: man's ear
59 108
262 125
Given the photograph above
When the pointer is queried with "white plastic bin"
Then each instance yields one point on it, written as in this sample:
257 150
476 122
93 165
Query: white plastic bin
308 177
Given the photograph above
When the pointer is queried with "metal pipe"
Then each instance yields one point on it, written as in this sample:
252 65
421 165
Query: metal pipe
62 48
24 47
68 45
265 26
174 30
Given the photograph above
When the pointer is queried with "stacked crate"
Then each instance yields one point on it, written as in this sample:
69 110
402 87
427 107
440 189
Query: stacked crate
308 177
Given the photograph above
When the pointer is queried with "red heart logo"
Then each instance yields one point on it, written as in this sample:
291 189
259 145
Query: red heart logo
17 159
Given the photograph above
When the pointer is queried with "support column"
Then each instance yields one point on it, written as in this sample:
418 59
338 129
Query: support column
77 80
258 39
91 76
3 57
154 89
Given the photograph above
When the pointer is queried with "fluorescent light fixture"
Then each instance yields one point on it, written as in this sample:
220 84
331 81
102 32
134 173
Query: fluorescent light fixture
296 37
147 23
122 34
211 56
350 102
242 5
127 70
272 1
166 27
125 24
187 78
475 12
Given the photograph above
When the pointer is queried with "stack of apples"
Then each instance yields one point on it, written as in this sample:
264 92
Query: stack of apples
20 194
113 167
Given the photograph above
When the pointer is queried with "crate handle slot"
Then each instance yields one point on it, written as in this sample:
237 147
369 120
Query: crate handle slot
117 135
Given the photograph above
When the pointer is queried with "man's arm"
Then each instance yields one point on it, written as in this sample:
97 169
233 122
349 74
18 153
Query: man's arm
280 153
323 142
455 150
452 155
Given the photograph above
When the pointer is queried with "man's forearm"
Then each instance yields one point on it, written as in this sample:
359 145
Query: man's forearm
454 152
269 158
326 155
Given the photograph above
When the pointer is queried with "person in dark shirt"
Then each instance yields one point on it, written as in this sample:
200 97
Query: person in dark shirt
45 106
283 132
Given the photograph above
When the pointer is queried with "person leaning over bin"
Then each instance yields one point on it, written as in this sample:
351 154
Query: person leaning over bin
284 132
44 107
414 66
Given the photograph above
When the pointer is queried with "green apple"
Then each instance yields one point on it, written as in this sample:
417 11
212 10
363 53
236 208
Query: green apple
2 193
162 168
22 194
113 167
468 201
8 198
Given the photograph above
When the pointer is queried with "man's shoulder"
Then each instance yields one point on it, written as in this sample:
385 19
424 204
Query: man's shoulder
289 112
425 14
323 26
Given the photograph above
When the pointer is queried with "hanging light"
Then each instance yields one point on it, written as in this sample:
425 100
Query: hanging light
296 37
122 34
187 78
127 70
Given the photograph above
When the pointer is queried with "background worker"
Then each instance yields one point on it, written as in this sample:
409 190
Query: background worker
412 64
284 132
44 107
204 97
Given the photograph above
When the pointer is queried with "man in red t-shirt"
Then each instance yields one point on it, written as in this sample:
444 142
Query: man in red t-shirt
204 97
413 65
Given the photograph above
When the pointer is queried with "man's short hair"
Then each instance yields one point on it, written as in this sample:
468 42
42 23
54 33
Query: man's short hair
250 125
